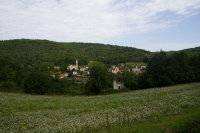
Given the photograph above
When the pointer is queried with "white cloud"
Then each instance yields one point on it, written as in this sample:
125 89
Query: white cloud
88 20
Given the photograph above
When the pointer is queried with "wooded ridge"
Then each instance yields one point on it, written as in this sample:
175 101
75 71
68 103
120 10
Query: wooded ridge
57 53
30 64
32 52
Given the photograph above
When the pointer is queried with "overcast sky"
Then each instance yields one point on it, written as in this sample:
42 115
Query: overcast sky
146 24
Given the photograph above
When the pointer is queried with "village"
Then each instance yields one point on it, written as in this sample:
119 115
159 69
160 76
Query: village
81 74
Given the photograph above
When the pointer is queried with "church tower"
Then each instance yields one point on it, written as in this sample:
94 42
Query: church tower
77 64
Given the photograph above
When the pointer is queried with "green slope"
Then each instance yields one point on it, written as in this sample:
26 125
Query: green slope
189 52
34 113
40 51
52 53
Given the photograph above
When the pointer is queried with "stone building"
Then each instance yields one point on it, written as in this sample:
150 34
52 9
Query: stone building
70 67
118 84
138 70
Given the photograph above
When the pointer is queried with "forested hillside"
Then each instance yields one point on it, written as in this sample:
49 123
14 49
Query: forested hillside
32 52
189 52
23 60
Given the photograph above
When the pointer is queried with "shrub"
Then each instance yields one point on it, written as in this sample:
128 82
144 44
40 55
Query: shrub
100 79
37 83
129 79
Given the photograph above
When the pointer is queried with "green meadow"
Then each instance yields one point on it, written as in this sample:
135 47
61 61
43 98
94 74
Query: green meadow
166 109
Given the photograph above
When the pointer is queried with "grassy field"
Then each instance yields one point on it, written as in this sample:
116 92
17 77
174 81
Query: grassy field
105 113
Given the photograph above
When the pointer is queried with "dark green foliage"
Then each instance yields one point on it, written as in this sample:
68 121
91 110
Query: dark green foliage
11 73
130 80
100 79
33 52
177 68
37 83
59 86
42 83
144 81
190 52
158 70
19 57
194 64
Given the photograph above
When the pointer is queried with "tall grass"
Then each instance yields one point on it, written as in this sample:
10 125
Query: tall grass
187 121
30 113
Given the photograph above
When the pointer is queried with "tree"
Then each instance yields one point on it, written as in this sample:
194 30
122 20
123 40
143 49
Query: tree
58 86
144 81
129 79
11 71
178 68
100 79
158 70
166 70
37 83
194 63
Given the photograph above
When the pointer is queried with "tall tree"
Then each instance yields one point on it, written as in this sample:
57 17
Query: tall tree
157 70
37 83
130 80
100 79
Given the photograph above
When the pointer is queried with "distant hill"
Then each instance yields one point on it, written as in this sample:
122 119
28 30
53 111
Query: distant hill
189 52
33 52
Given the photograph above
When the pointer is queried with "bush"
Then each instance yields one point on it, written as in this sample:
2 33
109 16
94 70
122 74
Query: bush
9 86
37 83
100 79
130 80
59 86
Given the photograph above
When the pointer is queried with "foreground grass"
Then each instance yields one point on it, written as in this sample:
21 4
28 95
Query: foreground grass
29 113
187 121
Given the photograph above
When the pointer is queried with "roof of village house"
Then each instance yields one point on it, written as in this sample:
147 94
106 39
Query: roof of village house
72 65
57 72
120 68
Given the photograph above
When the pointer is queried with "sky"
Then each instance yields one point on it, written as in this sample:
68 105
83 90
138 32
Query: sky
152 25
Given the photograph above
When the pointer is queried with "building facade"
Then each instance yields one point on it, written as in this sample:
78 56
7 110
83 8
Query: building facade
71 67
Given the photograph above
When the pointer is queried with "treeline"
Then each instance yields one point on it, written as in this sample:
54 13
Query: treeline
48 53
189 52
26 66
14 77
163 70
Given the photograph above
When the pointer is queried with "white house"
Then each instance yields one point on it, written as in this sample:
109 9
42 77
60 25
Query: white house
57 67
83 69
75 73
137 69
114 69
61 76
70 67
142 67
117 84
66 74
